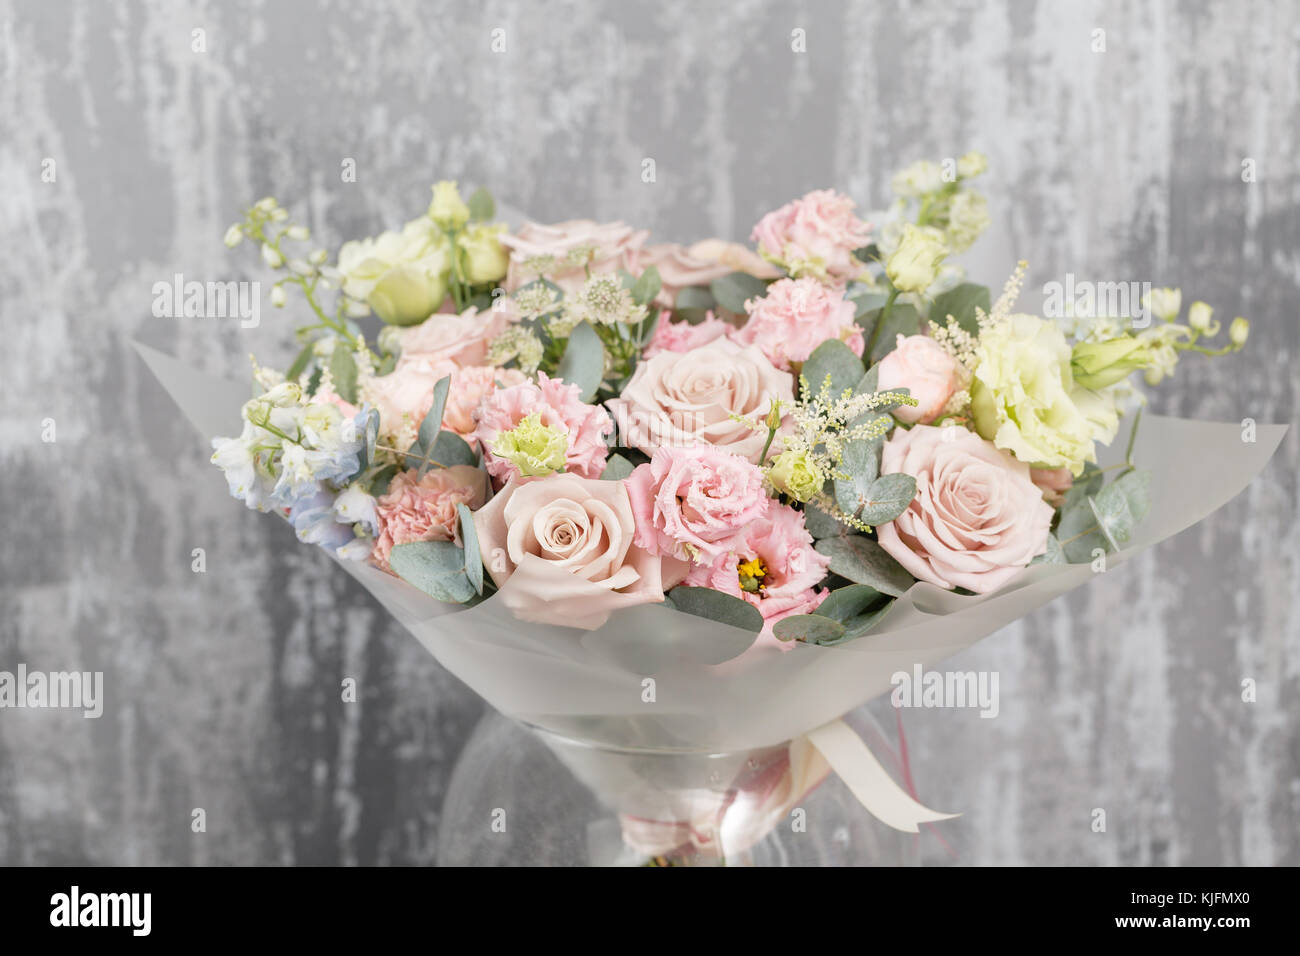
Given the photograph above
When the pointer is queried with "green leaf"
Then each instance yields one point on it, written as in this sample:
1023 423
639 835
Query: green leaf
343 371
300 363
432 423
903 319
837 360
1121 505
863 561
383 478
731 291
1053 554
473 556
844 604
822 525
647 287
808 628
693 304
435 567
584 360
482 206
886 499
960 302
859 625
861 461
617 468
716 606
450 449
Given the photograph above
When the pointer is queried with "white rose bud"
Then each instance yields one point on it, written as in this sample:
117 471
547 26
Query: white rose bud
1238 331
267 204
972 164
915 263
1199 317
319 257
234 236
278 297
271 257
298 233
447 209
301 267
279 214
1164 304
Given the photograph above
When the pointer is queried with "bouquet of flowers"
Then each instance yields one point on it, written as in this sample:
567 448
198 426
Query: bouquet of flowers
710 497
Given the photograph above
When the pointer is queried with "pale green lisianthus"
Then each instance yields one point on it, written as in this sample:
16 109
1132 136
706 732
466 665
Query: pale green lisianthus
796 474
535 449
401 275
1024 398
482 257
914 265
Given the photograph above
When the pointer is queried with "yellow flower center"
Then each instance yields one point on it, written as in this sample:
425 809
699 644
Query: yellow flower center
752 574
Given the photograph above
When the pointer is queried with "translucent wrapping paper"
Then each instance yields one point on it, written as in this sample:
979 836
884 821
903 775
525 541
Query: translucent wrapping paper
657 679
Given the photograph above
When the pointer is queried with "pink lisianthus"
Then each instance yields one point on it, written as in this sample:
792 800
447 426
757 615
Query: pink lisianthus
695 503
560 406
778 564
927 370
977 518
796 316
424 508
815 236
682 336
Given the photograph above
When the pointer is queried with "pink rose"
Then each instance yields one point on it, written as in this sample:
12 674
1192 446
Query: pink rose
616 247
695 503
795 317
977 518
463 339
561 550
682 336
676 399
816 236
1053 483
470 387
929 372
679 268
403 397
559 406
424 509
779 566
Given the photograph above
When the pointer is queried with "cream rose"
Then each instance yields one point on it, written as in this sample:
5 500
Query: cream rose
977 518
463 339
561 550
681 399
615 246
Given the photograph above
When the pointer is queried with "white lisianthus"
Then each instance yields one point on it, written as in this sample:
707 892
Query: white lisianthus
968 217
972 164
1025 401
401 275
914 265
916 180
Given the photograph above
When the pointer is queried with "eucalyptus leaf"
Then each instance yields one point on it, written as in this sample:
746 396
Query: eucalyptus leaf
583 363
856 627
1054 553
822 525
808 628
960 302
647 287
343 372
432 423
383 478
1078 533
482 206
835 360
716 606
861 462
473 556
435 567
731 291
693 303
887 498
617 468
863 561
844 604
449 449
1121 505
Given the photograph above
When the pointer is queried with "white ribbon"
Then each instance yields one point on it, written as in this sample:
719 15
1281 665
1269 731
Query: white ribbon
875 789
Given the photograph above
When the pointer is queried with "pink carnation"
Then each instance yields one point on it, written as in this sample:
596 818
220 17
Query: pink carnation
790 569
815 235
559 406
424 509
682 336
795 317
695 502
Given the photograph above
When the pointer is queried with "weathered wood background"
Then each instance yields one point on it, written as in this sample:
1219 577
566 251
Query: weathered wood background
223 687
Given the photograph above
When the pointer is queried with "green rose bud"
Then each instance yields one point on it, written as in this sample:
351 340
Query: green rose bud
915 263
482 257
1095 365
407 295
535 449
448 210
795 474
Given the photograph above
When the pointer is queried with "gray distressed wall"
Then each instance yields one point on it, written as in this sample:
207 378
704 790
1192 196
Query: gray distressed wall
224 687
